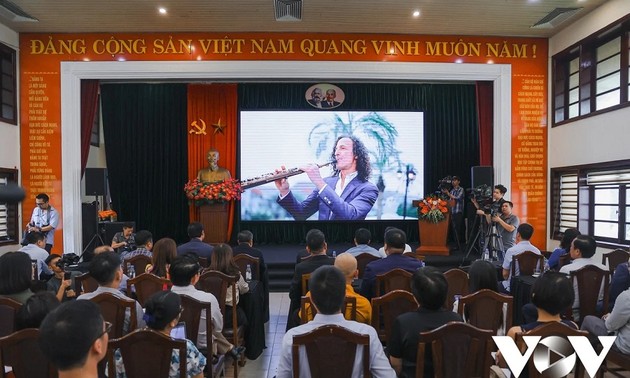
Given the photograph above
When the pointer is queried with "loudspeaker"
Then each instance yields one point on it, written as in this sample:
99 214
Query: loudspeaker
88 211
480 175
95 181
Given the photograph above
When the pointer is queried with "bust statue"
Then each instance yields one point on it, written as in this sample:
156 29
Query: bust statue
213 173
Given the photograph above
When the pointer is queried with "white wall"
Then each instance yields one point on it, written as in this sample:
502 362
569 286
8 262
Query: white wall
598 138
10 134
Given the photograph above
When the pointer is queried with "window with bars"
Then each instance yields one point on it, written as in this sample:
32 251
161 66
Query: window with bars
8 93
593 199
8 211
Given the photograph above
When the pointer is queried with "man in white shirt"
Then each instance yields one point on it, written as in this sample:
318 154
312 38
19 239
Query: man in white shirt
35 249
328 290
185 272
524 232
582 251
362 238
44 219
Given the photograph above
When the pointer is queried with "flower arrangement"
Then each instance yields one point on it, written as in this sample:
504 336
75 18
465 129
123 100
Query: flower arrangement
201 193
433 208
111 214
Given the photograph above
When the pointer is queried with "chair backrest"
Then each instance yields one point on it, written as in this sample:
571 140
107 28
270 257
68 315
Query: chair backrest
484 309
457 285
192 317
395 279
549 329
139 263
564 260
203 261
362 260
305 278
590 281
147 284
458 350
324 346
243 259
85 283
308 311
216 283
614 258
8 311
146 353
386 308
21 351
114 310
526 262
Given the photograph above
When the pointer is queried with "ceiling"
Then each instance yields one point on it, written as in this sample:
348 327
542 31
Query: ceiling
447 17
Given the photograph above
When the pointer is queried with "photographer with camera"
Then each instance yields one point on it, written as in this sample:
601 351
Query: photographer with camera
44 219
124 241
508 222
456 193
60 283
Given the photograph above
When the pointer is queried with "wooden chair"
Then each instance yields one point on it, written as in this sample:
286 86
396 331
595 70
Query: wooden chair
217 283
114 310
395 279
549 329
484 310
614 258
325 345
21 351
590 281
458 350
85 283
243 259
192 317
203 262
147 284
527 263
564 260
386 308
457 285
139 263
146 353
8 312
362 260
308 311
305 278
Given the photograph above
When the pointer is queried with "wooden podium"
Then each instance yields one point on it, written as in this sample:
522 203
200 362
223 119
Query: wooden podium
432 235
214 219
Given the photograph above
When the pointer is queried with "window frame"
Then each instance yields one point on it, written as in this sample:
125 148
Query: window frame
11 55
13 226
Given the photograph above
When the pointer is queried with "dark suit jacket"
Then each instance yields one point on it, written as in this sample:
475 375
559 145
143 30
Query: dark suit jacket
197 247
325 104
376 267
295 291
355 202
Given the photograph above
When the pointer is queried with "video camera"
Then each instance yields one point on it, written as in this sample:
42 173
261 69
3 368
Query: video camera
445 183
131 246
68 261
483 195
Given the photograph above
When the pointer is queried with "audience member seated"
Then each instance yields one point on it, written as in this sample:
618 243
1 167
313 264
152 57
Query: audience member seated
162 315
74 338
35 249
245 245
16 273
164 252
144 241
524 232
347 263
33 312
106 269
395 241
582 251
57 284
565 245
362 238
381 250
125 240
481 275
619 283
222 261
429 287
316 247
196 244
328 292
185 271
617 322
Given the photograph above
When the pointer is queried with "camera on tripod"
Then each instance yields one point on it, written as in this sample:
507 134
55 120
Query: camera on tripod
483 195
445 183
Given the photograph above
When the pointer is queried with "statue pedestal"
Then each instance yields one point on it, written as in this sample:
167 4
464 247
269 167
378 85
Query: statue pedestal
214 219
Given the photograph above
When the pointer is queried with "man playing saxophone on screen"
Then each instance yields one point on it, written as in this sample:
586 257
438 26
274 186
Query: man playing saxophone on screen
347 195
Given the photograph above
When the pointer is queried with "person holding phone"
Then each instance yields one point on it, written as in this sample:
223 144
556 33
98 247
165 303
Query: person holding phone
44 219
60 283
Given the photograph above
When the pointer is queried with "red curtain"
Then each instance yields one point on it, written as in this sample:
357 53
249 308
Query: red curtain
212 104
485 118
89 103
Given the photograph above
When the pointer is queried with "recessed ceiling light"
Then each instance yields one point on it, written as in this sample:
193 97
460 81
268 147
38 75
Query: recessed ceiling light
416 13
162 10
459 60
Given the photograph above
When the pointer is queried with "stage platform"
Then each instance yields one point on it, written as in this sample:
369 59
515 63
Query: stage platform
280 259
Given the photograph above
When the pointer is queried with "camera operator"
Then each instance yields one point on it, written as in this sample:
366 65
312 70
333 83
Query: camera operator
508 222
497 200
44 219
124 241
457 212
60 283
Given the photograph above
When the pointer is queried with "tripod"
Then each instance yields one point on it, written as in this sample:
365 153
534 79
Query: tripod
493 243
472 242
96 238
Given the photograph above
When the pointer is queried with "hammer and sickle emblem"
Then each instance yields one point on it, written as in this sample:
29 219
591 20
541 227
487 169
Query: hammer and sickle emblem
196 129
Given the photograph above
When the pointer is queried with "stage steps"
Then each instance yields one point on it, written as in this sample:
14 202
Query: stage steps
280 275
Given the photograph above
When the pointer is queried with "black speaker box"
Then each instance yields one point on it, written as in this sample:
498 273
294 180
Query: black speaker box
480 175
95 181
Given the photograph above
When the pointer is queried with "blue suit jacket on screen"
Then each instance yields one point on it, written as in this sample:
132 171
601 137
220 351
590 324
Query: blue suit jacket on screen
355 202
